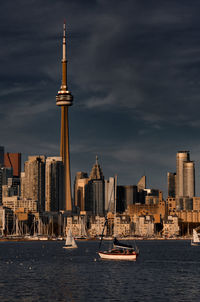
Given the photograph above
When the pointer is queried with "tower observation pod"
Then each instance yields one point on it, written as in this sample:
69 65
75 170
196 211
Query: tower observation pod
64 99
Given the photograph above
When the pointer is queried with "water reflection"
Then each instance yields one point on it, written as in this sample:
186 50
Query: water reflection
44 271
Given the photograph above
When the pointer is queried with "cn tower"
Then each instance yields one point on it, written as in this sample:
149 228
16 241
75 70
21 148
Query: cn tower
64 99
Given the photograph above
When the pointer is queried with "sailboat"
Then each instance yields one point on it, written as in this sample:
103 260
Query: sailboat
70 242
119 250
195 237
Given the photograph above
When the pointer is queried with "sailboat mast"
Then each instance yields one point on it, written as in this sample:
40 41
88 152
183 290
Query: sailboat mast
106 221
115 204
115 193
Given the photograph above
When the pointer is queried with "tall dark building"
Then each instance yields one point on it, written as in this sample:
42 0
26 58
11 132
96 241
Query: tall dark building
54 172
121 199
80 190
95 193
171 181
5 173
126 195
1 155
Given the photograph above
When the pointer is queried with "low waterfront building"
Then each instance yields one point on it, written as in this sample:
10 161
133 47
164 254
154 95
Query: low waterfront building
122 225
144 225
77 225
170 226
158 211
96 226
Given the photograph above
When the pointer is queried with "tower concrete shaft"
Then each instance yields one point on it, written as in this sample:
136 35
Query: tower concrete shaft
64 99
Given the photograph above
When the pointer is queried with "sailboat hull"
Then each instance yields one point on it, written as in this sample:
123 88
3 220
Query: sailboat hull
195 243
70 242
195 238
69 247
117 256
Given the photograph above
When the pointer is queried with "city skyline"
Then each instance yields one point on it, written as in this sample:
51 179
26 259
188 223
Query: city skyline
133 70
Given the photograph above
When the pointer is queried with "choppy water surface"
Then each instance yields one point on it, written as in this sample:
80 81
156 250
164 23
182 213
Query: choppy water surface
44 271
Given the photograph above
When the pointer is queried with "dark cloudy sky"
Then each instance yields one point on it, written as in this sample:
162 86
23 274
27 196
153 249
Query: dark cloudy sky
134 71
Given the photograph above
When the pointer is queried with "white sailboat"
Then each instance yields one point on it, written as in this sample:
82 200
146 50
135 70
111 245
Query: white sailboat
195 237
70 242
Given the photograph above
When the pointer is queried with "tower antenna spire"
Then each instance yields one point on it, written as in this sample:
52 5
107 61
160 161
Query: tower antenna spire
64 61
64 42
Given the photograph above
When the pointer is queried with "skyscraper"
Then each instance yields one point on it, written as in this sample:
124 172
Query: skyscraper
110 195
64 99
33 180
96 195
189 179
126 195
5 173
13 160
185 175
54 184
181 157
141 185
171 181
1 155
80 190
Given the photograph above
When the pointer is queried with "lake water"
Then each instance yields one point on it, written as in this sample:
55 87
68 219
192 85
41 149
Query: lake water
44 271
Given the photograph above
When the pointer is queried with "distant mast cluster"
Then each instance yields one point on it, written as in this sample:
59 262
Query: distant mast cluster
64 99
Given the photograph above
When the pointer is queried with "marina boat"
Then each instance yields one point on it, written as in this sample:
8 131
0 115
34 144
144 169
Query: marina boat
195 237
119 250
70 242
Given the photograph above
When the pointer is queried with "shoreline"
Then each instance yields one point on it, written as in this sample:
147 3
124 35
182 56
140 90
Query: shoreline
18 239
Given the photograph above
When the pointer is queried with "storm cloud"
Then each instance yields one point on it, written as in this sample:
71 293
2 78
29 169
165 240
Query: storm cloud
133 68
